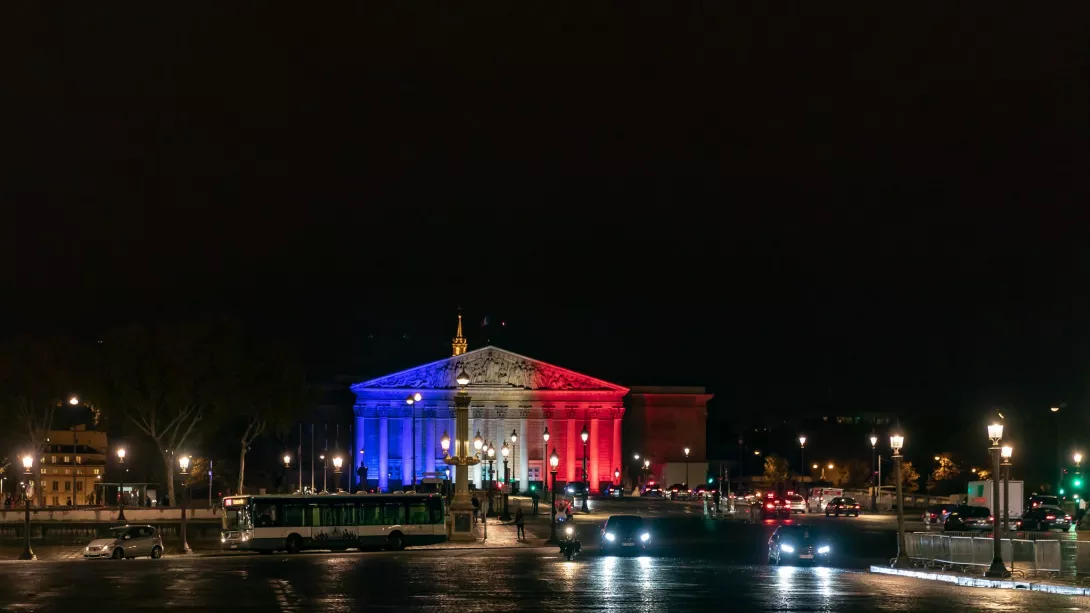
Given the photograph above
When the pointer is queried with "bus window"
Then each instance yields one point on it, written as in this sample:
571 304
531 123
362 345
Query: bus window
370 514
265 514
418 512
344 515
314 516
393 513
291 514
435 509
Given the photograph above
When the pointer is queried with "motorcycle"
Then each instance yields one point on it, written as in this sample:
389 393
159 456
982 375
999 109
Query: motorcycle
569 545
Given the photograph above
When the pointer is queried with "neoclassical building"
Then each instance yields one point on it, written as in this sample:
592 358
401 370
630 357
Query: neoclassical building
511 394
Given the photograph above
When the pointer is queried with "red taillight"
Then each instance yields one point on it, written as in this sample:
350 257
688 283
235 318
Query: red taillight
769 506
857 506
1050 517
1067 517
840 506
934 516
991 518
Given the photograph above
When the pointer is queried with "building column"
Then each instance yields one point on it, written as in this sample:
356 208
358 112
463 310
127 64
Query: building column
499 426
570 458
358 453
406 449
592 465
383 451
524 458
452 432
618 462
429 444
478 471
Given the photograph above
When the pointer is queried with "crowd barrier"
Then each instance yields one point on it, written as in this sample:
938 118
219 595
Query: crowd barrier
1038 555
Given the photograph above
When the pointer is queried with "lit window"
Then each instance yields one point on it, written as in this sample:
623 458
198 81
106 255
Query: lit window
96 471
43 459
68 471
79 460
53 459
43 485
67 459
79 471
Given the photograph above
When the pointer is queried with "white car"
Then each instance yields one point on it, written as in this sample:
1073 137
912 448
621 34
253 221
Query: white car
796 503
126 542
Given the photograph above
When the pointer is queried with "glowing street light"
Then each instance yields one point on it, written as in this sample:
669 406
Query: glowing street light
183 463
121 488
897 442
28 493
337 463
1078 459
444 442
73 401
997 569
554 461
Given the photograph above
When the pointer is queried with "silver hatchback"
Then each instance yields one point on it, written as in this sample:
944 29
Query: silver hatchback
126 542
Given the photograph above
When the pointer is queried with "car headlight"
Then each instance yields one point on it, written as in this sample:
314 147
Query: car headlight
223 539
610 537
645 537
787 548
823 549
569 531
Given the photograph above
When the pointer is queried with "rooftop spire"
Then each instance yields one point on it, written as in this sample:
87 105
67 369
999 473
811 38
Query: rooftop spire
459 341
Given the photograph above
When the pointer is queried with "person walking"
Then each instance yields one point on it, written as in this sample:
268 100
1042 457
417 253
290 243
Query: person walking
715 497
520 530
533 498
476 508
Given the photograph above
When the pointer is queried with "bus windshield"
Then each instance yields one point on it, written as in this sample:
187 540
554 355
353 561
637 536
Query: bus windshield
237 518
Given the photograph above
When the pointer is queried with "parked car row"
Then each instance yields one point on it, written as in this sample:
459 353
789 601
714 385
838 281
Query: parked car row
968 518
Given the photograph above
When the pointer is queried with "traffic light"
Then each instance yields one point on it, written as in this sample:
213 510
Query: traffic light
1076 483
710 480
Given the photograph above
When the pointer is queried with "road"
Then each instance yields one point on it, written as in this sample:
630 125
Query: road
468 580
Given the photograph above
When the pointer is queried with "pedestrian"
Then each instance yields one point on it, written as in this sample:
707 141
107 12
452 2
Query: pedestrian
476 508
147 501
534 497
567 513
69 502
520 530
715 497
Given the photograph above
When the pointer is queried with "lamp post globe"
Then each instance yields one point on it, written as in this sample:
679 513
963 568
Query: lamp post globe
1078 459
554 461
997 570
463 378
121 487
73 401
444 442
183 463
897 442
478 442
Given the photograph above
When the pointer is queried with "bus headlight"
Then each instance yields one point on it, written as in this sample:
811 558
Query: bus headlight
646 536
610 537
787 548
823 549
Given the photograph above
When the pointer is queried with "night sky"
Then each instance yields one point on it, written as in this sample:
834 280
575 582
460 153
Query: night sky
802 212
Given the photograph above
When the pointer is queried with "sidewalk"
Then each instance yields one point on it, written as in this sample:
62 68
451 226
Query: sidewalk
980 581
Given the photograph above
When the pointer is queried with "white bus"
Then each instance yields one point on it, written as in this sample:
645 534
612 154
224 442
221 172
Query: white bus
294 522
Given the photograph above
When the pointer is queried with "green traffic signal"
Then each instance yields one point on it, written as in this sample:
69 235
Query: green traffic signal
1077 483
710 480
1061 491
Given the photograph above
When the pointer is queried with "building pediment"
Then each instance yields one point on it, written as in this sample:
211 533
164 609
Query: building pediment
491 367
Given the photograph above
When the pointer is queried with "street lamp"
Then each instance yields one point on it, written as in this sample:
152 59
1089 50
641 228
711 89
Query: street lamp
586 481
686 450
514 439
491 451
412 399
1078 459
444 442
554 461
287 464
461 510
802 454
28 493
506 451
183 463
1006 453
897 441
121 488
544 450
873 474
997 569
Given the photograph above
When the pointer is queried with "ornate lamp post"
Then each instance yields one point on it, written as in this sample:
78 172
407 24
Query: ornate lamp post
478 448
183 463
873 472
544 449
505 451
461 508
1006 454
586 481
121 488
514 440
490 451
28 493
802 454
287 464
554 461
444 442
338 462
897 441
686 450
997 570
410 400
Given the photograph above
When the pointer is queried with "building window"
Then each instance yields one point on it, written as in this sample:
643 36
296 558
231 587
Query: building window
56 501
79 486
53 459
79 460
96 471
79 471
68 471
43 459
43 485
55 486
67 459
68 486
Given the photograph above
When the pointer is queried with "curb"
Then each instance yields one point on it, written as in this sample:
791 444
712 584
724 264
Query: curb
1003 584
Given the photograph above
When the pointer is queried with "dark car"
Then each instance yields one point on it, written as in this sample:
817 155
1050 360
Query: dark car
937 513
966 518
772 508
625 533
651 489
678 491
613 490
1043 518
842 505
798 543
1041 500
576 488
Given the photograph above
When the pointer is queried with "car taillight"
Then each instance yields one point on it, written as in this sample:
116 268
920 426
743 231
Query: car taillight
934 516
1067 517
857 506
1050 517
991 518
769 505
840 506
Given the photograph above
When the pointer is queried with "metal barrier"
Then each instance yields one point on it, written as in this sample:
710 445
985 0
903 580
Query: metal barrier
1023 556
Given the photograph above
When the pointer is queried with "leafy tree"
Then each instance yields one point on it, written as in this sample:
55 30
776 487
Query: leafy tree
776 469
910 479
852 474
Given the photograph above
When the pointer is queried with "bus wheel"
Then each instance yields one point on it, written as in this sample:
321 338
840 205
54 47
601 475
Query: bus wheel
397 542
294 544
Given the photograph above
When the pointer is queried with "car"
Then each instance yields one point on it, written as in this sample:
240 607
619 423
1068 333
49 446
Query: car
796 503
968 518
1042 500
937 513
613 490
704 491
651 489
678 491
798 543
842 505
773 508
575 489
1042 519
126 542
625 533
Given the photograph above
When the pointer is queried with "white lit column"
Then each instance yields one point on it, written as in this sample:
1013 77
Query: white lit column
478 470
429 444
524 458
406 449
617 461
592 465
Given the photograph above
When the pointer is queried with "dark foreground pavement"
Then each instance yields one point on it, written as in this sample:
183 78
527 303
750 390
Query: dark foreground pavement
465 580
